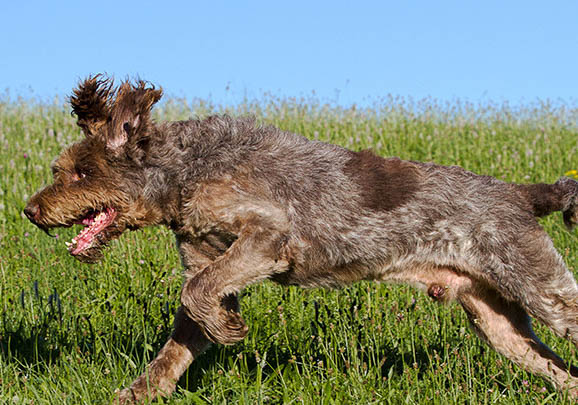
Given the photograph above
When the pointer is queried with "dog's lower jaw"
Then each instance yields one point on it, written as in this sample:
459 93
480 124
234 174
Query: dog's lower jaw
91 256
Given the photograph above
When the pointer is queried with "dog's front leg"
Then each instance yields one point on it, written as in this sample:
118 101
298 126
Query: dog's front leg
185 343
253 257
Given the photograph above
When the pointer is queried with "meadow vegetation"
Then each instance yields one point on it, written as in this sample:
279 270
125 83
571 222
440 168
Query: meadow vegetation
71 333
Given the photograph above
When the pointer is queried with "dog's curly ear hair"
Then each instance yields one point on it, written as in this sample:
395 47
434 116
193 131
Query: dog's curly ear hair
91 103
131 112
138 98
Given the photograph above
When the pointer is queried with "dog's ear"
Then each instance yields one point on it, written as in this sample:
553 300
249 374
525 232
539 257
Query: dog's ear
131 113
91 103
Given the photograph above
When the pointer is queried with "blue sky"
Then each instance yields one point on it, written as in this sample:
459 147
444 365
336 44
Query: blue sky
347 52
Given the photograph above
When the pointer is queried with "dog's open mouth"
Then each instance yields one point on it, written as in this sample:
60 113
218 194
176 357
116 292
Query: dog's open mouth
96 222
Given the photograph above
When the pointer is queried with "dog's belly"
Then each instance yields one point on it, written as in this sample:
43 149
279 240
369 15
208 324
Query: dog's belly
442 283
331 277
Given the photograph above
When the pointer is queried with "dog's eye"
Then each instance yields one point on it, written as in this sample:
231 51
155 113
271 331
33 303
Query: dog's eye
78 176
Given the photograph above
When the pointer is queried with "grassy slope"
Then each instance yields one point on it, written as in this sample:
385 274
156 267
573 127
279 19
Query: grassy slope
72 333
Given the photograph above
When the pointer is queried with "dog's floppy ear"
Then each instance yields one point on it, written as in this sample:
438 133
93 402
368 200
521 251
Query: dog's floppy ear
131 112
91 103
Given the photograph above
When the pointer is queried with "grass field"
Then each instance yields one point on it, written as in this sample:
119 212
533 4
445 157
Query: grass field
71 333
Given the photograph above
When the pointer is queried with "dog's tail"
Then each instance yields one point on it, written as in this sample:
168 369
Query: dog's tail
560 196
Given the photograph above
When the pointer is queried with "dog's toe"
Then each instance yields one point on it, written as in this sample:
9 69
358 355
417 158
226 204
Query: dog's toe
126 396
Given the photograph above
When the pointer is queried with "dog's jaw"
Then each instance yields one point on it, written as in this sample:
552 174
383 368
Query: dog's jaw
95 224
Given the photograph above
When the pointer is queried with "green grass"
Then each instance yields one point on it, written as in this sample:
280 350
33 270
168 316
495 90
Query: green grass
72 333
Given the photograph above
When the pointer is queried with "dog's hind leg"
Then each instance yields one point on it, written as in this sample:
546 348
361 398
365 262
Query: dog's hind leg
506 327
546 288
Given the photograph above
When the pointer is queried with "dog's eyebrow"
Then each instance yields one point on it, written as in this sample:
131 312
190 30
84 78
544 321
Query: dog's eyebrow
55 167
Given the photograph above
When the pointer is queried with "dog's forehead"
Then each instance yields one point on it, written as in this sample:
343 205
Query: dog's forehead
68 158
54 164
63 161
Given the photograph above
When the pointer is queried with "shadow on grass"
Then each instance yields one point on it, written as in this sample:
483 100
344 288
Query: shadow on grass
39 341
41 345
36 332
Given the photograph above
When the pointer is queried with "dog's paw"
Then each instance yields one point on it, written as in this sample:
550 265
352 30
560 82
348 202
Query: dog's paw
146 388
125 396
226 327
216 314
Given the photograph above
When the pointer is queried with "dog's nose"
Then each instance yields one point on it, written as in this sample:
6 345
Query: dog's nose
32 211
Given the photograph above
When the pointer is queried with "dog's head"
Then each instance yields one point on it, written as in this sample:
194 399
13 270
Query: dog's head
99 181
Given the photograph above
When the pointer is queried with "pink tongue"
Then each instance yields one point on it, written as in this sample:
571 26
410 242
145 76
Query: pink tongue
86 236
82 242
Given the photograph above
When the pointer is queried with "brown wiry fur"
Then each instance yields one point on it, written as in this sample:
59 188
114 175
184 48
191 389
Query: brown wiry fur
248 203
385 184
91 103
